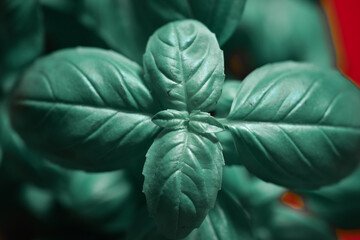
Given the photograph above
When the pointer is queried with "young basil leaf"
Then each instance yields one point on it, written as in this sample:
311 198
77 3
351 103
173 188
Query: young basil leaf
221 17
202 122
171 119
297 125
85 109
183 173
21 37
338 203
227 220
185 66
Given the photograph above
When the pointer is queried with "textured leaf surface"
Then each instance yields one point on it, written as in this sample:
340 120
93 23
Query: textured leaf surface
221 17
21 36
185 66
228 220
86 109
297 125
338 204
183 174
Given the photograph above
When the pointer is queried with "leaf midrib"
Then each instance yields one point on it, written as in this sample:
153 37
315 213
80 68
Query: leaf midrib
80 105
228 123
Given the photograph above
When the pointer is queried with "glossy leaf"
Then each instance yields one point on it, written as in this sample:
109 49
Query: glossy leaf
221 17
338 204
228 220
183 174
85 109
184 65
171 119
297 125
21 37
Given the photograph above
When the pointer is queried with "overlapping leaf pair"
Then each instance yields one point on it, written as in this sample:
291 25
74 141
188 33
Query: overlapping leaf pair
91 109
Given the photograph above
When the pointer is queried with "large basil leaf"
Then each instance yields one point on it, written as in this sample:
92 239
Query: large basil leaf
185 66
85 109
297 125
228 220
183 173
221 17
21 37
338 204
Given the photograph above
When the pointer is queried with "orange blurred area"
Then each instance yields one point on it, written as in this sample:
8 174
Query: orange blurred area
348 234
293 200
344 23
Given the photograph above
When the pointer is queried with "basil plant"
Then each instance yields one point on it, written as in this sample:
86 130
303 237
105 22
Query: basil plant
95 110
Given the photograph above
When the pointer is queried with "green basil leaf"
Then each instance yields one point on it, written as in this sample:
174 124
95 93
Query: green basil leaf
85 109
185 66
183 173
338 203
171 119
221 17
21 37
296 125
228 220
229 91
202 122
